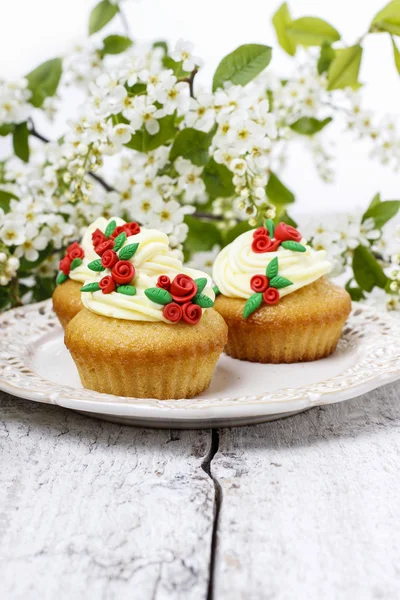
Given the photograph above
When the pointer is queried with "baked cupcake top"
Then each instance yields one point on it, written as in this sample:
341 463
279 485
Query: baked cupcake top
138 277
265 264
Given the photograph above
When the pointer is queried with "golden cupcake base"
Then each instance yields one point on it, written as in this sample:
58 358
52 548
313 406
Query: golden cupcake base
305 325
145 360
67 301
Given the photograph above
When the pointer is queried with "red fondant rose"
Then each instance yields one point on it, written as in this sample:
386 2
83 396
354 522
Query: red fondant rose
72 247
107 284
261 232
107 245
123 272
76 252
117 231
191 313
109 259
264 244
164 282
132 228
286 232
98 237
271 296
173 312
65 265
183 288
259 283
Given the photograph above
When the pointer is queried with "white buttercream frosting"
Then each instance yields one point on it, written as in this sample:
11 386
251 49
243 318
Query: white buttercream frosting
237 263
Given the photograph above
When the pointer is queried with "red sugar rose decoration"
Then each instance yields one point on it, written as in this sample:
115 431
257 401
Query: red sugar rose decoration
65 265
164 282
98 237
191 313
73 251
284 232
107 284
107 245
129 228
263 243
123 272
173 312
76 252
183 288
259 283
261 232
109 259
72 247
271 296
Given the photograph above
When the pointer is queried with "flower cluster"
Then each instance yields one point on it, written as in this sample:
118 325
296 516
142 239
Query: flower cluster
14 105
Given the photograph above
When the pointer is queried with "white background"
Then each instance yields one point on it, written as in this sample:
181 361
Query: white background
32 31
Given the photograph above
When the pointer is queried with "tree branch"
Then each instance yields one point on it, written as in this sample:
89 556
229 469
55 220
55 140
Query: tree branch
190 81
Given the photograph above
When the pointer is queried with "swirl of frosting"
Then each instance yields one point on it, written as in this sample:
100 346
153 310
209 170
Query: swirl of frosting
152 260
237 263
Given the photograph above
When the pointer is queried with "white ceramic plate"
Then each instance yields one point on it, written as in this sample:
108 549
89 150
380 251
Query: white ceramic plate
35 364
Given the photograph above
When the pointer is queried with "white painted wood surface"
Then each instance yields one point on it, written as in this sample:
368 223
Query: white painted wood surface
306 507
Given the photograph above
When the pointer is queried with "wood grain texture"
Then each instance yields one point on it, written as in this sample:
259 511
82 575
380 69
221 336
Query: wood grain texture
94 510
310 504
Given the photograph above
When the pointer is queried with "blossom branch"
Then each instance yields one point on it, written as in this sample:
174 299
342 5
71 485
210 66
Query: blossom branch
190 81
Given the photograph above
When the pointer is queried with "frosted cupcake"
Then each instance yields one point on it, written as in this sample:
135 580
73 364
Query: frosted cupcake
73 269
148 329
275 298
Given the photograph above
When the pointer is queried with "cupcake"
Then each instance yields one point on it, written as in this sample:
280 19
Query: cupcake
73 269
275 298
148 329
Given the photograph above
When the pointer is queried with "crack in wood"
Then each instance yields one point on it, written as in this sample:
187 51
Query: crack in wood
206 466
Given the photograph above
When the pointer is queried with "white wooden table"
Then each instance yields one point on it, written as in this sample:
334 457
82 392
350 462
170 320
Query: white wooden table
306 507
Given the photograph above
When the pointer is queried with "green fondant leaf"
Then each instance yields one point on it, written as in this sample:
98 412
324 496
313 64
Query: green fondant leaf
76 263
90 287
216 290
158 295
295 246
96 265
128 290
269 224
272 269
201 284
119 241
110 228
252 304
61 278
127 252
203 301
280 282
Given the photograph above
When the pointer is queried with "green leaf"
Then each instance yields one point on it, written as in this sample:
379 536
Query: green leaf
43 81
76 263
367 271
382 212
355 292
216 290
375 201
161 44
90 287
281 20
272 268
127 290
203 301
5 199
119 241
279 282
277 192
96 265
61 278
345 68
201 284
176 67
142 141
218 180
252 304
128 251
294 246
6 129
110 228
137 89
309 125
326 57
396 55
116 44
191 144
312 31
43 289
101 14
388 19
242 65
202 235
158 295
269 224
20 141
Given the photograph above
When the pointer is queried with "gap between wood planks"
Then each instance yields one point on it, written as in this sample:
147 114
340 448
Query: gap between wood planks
206 466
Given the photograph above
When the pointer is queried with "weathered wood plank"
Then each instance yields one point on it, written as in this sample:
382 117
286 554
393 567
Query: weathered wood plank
310 504
94 510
